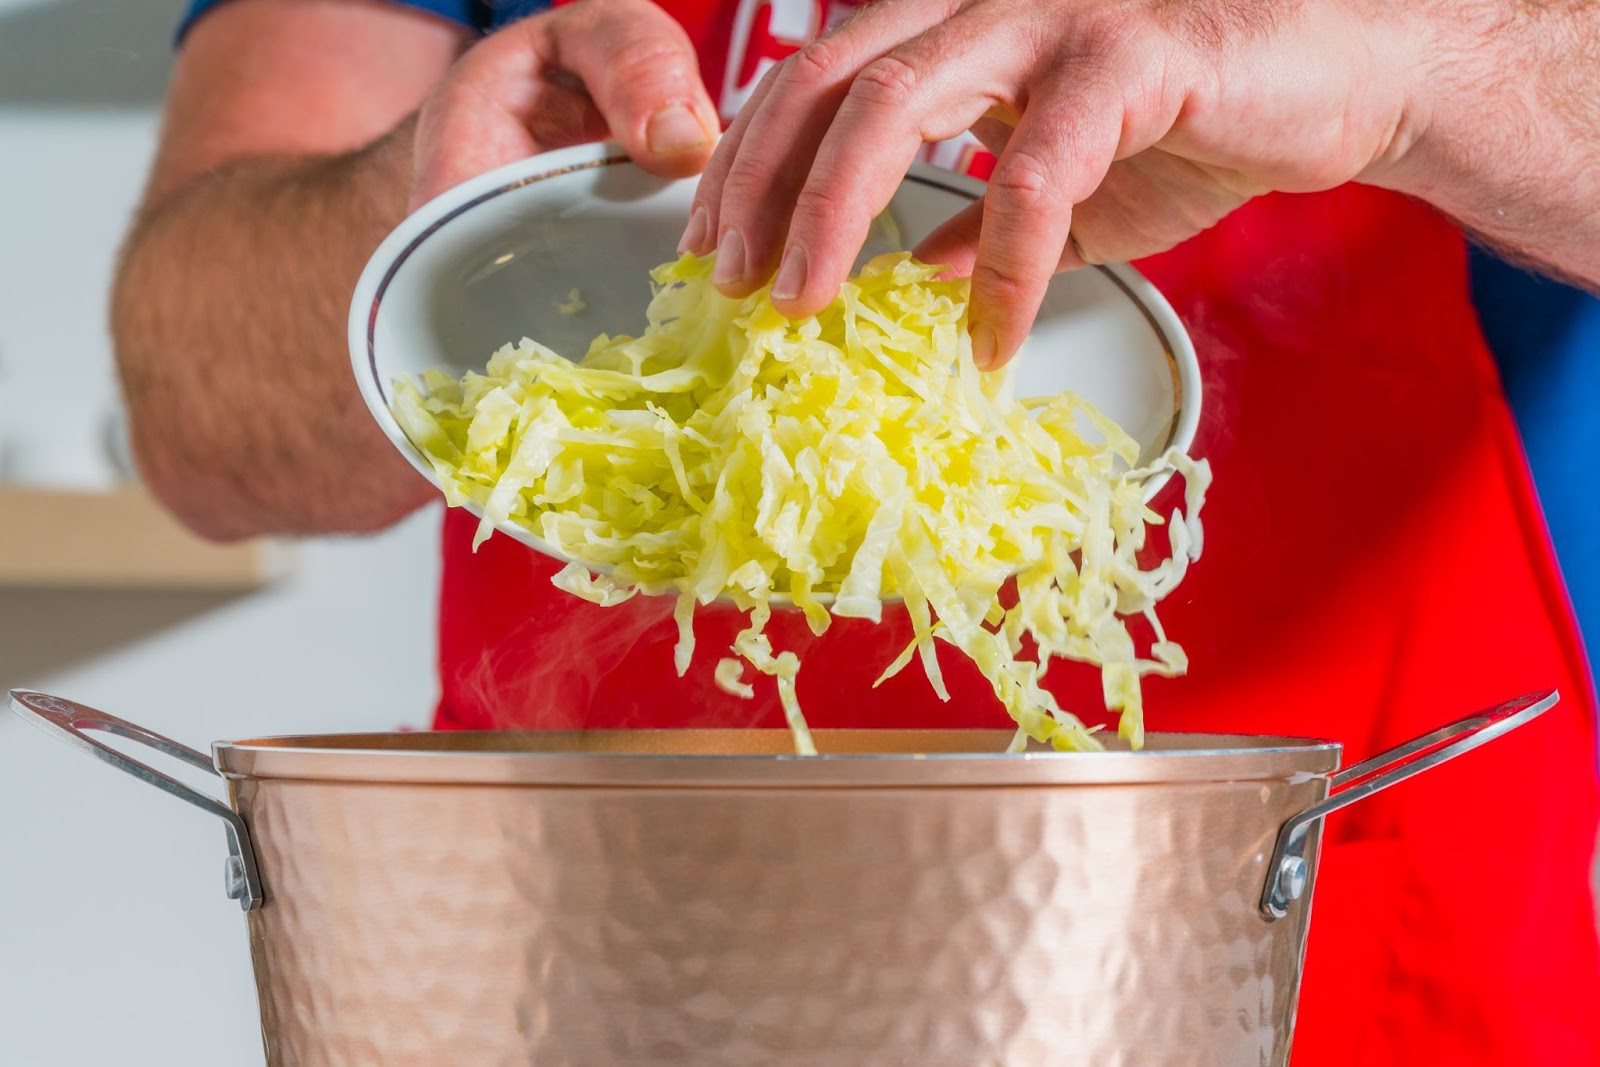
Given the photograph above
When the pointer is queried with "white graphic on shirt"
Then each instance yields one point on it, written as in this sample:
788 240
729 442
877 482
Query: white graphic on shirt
764 32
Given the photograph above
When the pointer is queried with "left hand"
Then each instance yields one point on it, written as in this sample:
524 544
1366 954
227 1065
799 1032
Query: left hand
577 73
1122 128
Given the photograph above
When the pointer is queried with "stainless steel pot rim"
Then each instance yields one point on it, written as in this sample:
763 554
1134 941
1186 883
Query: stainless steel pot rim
751 758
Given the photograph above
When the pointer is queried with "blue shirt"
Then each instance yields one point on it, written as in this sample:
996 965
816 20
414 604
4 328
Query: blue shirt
481 15
1545 337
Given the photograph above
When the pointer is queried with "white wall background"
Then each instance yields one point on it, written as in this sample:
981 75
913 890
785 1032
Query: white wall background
117 945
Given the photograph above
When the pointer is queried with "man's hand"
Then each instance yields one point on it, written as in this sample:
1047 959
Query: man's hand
583 72
1121 129
296 134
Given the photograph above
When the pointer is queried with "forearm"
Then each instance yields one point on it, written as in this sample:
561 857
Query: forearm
1508 139
229 321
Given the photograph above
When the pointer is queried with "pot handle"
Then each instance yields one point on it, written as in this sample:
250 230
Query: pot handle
1288 871
70 722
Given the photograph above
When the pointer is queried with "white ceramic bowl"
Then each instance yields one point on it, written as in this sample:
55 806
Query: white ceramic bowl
492 260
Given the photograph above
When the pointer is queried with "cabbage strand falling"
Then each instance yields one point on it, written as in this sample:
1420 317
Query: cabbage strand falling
835 463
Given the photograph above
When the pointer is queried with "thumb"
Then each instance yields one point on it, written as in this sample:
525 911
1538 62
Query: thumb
622 68
641 70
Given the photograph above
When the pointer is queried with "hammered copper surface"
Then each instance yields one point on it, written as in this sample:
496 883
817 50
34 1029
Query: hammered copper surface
477 925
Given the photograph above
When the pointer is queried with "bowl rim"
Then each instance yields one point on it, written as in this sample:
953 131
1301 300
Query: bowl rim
415 230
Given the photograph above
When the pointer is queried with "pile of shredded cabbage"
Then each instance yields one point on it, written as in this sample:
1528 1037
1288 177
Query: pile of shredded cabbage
833 463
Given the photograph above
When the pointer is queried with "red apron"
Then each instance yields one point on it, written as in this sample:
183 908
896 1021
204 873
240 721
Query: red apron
1375 565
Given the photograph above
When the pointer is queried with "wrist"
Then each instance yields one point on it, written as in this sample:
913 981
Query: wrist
1501 131
1440 61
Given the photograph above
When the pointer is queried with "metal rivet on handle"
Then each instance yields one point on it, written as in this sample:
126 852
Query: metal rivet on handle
1287 886
1293 874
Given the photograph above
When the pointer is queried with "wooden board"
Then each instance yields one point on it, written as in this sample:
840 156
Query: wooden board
120 539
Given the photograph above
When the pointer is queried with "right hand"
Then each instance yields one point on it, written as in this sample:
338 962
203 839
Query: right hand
1122 127
622 69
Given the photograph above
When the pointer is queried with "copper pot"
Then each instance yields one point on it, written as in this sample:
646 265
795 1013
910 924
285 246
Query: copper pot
706 898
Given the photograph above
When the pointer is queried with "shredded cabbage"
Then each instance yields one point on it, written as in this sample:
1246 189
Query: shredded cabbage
835 463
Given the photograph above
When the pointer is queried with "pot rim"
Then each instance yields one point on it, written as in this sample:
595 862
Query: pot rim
759 759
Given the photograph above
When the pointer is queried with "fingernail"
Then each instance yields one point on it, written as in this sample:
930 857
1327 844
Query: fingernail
984 345
694 235
791 274
675 129
730 258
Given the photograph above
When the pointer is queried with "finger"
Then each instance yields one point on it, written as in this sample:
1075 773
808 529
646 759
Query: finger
954 243
929 89
700 236
1147 204
1062 148
622 67
566 114
749 204
640 68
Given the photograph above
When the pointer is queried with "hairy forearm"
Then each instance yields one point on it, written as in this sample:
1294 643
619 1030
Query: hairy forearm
229 318
1508 139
